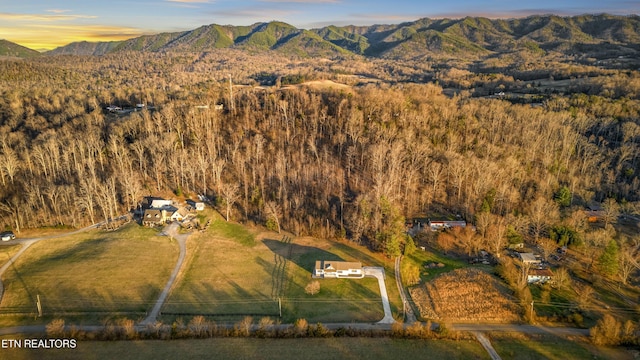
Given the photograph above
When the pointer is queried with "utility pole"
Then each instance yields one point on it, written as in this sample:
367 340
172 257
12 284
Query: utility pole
39 305
532 311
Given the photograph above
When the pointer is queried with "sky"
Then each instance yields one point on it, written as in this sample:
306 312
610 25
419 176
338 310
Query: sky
47 24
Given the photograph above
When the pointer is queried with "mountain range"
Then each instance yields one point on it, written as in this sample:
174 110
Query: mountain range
470 37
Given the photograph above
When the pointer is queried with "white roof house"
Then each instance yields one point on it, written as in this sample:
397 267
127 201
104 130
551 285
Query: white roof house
338 269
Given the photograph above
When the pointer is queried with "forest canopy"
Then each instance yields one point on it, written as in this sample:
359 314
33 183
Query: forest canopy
349 161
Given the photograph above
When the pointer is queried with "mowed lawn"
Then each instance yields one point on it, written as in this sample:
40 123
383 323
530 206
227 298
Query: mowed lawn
96 271
232 271
7 251
551 347
339 300
263 349
226 272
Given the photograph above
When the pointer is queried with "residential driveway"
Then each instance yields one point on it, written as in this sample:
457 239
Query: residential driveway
410 317
172 231
378 273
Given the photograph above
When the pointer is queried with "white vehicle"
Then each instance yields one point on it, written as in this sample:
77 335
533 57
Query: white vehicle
6 236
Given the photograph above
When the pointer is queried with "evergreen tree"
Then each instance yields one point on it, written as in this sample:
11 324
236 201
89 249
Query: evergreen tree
609 259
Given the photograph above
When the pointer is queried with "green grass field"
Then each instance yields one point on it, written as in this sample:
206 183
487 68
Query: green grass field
551 347
232 272
119 271
264 349
339 300
6 252
422 257
226 272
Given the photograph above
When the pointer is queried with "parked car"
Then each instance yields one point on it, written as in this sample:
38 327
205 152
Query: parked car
7 235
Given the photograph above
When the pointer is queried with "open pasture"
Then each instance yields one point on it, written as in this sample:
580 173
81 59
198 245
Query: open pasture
92 272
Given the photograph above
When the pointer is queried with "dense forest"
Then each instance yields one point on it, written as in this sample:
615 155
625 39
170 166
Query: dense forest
392 141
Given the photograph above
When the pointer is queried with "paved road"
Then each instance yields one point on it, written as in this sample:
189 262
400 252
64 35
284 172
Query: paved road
172 231
378 272
410 317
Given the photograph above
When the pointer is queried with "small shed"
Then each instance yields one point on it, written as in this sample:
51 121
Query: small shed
198 205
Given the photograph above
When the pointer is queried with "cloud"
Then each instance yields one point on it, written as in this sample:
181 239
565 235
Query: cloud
259 13
303 1
58 11
42 17
386 18
48 36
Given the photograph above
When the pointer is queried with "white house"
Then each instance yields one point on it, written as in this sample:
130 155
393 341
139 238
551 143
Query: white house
179 214
338 269
539 276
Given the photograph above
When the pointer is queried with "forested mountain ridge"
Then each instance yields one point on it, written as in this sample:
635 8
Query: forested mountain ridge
470 37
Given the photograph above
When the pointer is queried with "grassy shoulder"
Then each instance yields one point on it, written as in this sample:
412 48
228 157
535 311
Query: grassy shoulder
6 252
518 346
227 348
96 271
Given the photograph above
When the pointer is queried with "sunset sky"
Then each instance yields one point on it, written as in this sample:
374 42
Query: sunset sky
46 24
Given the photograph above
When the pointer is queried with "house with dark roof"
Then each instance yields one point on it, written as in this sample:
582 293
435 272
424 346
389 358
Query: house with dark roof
153 217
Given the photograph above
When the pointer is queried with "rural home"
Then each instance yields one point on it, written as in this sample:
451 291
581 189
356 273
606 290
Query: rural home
338 269
153 217
529 258
180 214
197 205
446 224
539 276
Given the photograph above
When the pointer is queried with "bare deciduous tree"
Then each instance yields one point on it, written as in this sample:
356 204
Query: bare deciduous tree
231 194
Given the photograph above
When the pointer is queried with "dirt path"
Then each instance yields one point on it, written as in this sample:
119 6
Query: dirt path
487 345
172 231
410 317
